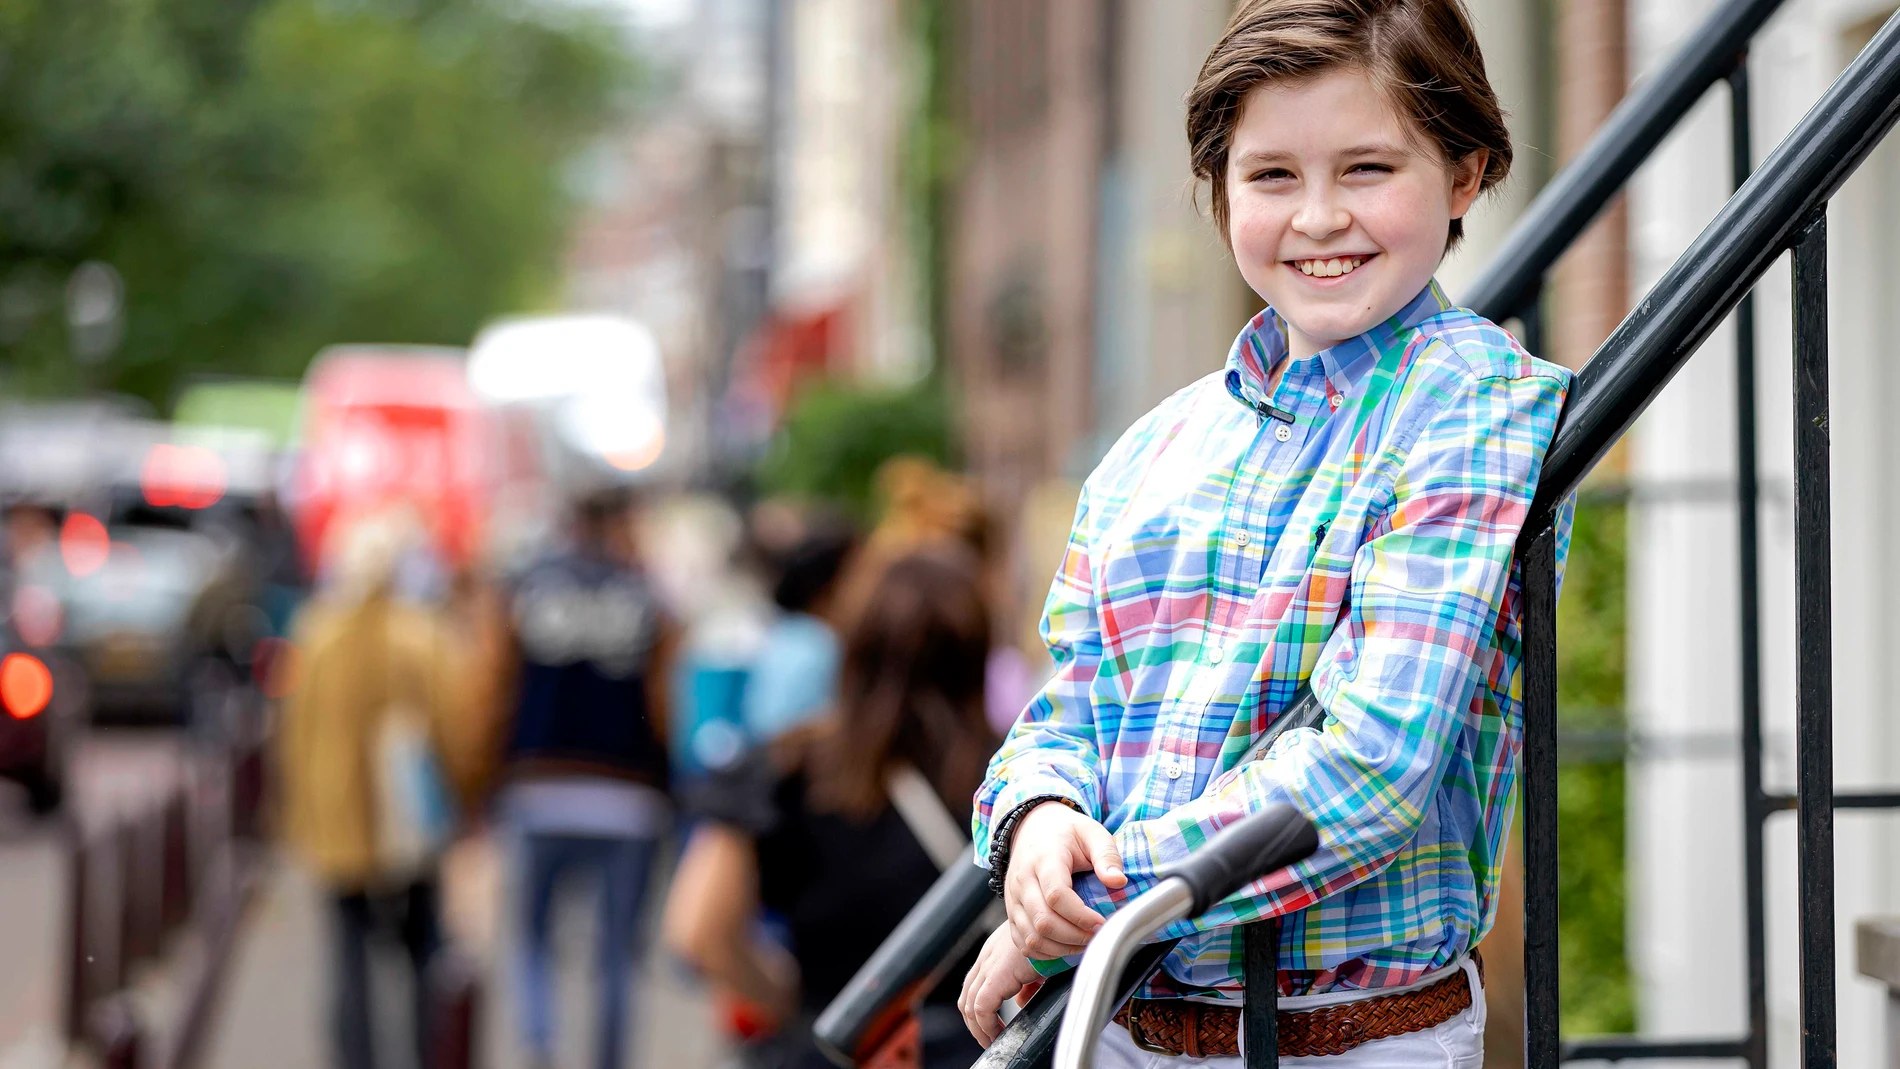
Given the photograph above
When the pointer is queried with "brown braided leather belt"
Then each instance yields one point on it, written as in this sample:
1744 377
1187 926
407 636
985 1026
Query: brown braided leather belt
1203 1030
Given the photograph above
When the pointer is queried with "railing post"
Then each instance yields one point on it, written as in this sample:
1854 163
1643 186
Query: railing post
1260 1012
1539 766
1748 546
1814 647
176 889
80 968
1530 320
142 888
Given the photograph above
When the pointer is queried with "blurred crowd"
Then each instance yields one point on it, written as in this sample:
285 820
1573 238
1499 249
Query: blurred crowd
752 726
631 692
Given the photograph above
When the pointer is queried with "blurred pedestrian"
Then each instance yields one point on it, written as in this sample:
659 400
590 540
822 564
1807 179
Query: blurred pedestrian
795 674
724 608
375 747
586 760
840 826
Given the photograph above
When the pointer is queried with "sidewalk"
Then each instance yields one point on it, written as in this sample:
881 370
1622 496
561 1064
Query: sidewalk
275 1004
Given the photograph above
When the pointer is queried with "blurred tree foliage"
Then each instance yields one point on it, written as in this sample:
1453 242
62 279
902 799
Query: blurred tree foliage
835 437
271 176
1596 994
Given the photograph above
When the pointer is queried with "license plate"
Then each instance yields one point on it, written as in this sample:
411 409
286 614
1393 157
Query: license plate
124 657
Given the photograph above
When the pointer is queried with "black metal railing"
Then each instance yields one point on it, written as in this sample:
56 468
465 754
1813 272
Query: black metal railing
1779 209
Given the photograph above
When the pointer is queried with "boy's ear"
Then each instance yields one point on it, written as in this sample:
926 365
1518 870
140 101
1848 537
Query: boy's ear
1467 181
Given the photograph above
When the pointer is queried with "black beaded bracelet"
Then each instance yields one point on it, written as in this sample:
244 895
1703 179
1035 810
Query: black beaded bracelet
1006 831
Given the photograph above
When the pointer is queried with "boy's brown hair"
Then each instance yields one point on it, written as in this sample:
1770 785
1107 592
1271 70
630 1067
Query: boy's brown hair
1423 53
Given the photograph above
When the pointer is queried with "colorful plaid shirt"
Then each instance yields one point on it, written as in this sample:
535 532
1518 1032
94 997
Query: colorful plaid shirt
1220 557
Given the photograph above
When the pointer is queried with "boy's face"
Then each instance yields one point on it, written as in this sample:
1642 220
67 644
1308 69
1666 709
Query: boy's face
1337 209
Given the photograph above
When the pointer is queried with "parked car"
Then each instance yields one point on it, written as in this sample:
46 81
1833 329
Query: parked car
135 616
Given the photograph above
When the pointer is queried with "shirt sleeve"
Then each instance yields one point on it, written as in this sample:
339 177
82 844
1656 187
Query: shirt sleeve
1396 677
1051 750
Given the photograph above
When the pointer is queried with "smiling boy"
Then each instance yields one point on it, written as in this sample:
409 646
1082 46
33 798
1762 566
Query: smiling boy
1338 505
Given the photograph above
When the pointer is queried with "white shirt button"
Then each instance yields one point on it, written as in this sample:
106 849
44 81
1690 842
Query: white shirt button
1243 538
1173 771
1215 653
1333 400
1282 432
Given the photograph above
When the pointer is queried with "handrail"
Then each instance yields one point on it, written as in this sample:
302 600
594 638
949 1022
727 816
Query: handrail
904 967
1758 224
870 1007
1572 200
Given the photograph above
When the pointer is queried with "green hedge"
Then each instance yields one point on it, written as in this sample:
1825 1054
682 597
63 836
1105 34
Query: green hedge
836 436
1596 995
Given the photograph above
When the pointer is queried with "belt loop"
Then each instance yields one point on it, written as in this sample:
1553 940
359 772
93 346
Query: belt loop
1191 1029
1260 979
1474 976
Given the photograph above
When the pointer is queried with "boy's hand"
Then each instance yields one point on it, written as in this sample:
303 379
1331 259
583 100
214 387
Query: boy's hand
1000 971
1047 919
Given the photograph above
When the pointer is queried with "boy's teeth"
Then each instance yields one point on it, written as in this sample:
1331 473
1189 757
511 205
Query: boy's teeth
1332 268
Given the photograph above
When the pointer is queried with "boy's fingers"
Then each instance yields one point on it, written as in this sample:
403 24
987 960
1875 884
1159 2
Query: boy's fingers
1104 856
969 1000
1058 890
987 1022
1031 943
1037 929
1049 929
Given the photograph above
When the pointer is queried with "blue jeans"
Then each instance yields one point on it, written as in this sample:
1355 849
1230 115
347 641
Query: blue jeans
620 868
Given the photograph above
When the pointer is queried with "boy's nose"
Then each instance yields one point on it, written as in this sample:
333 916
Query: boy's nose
1320 216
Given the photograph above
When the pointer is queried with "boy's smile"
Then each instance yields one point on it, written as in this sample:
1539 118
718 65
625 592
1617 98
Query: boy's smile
1339 210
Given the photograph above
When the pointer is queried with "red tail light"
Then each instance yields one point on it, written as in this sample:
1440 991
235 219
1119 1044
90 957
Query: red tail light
26 685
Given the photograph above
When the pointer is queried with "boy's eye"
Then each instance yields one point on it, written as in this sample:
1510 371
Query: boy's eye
1272 174
1369 168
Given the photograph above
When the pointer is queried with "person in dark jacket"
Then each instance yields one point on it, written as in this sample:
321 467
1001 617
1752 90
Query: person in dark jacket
585 761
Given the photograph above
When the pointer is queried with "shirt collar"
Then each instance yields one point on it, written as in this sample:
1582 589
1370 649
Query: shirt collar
1262 344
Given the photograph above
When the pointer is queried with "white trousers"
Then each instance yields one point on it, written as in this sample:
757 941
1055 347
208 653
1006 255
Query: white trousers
1454 1044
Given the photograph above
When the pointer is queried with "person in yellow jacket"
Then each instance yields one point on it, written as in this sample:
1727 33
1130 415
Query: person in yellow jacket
374 675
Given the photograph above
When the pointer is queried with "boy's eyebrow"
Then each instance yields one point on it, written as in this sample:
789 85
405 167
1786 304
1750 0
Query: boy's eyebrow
1374 148
1370 148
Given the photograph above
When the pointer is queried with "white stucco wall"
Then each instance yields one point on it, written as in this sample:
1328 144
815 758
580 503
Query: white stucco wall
1506 30
1685 816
